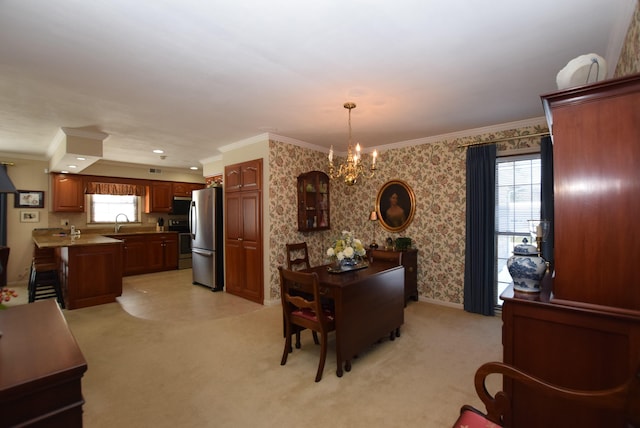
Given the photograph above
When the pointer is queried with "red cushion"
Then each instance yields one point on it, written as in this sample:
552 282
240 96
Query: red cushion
469 419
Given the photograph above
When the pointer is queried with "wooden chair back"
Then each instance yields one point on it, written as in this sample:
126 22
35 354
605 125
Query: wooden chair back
304 310
298 256
623 399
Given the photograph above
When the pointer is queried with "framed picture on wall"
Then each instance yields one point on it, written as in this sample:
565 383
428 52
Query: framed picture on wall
29 216
29 199
396 205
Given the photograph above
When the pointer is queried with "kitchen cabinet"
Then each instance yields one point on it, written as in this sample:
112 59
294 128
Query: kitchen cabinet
158 197
68 193
148 252
243 231
244 176
185 189
163 251
583 330
313 202
134 254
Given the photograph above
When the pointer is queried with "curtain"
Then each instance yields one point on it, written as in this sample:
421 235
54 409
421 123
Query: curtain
95 188
480 252
546 191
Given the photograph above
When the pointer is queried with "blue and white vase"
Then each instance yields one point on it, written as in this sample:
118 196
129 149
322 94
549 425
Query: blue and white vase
526 267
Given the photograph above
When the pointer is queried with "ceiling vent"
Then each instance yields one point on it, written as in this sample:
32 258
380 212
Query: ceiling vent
155 171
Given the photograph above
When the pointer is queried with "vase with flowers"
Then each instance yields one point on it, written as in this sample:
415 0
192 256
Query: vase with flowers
346 250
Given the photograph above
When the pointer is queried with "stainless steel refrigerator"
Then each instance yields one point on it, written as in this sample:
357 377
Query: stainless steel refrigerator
205 226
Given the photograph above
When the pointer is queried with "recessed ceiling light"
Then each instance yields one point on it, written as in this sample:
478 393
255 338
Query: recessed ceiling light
64 171
81 158
72 166
193 168
158 151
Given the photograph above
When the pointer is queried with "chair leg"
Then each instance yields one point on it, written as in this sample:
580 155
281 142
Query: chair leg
287 346
298 345
315 338
323 356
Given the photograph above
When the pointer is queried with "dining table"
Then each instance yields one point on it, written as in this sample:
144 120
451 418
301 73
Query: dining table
368 303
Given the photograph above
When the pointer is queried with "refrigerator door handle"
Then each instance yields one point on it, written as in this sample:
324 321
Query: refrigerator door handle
205 253
193 222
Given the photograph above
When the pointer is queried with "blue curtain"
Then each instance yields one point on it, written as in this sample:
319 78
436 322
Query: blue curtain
479 270
546 190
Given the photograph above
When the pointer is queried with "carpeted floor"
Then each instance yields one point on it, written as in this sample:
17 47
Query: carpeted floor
171 354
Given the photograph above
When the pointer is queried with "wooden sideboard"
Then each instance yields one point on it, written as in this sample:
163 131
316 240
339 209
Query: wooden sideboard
41 368
410 263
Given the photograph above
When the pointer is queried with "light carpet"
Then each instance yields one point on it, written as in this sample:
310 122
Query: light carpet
171 354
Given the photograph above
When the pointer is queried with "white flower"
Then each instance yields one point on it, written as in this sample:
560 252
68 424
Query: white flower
346 247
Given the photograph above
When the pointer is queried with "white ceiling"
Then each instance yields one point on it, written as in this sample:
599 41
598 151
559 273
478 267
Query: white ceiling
191 76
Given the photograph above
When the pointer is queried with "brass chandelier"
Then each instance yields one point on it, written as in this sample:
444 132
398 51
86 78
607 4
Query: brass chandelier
353 168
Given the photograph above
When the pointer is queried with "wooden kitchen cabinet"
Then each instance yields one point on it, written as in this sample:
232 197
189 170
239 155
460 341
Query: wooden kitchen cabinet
68 193
243 231
148 252
185 189
313 202
158 197
244 176
162 251
134 254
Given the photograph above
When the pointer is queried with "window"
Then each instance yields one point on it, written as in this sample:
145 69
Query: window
517 201
105 208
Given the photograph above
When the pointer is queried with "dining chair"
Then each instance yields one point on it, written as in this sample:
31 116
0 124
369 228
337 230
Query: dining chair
298 256
298 259
304 312
623 399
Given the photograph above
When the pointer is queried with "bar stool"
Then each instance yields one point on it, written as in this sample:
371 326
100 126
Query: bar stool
44 279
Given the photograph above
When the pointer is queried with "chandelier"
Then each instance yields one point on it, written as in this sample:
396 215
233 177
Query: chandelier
352 169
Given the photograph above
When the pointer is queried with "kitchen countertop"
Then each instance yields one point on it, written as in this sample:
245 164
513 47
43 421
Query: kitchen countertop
51 238
52 241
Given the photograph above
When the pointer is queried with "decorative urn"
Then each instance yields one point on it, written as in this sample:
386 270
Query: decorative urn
526 267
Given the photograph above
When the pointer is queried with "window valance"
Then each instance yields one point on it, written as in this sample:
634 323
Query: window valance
97 188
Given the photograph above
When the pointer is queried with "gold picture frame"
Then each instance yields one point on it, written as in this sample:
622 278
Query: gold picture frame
395 205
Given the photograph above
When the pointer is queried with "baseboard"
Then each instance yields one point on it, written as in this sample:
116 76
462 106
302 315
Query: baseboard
441 303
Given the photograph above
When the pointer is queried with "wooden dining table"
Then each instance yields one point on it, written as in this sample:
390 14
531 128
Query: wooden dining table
369 305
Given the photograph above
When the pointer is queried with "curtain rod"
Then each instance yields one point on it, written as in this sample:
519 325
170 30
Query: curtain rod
519 137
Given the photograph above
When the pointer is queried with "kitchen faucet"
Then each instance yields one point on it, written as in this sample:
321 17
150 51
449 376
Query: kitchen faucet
118 226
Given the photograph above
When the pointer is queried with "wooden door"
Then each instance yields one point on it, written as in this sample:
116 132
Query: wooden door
171 251
243 231
252 246
155 254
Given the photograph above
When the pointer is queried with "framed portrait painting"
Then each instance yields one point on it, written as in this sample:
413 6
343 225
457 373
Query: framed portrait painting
396 205
29 199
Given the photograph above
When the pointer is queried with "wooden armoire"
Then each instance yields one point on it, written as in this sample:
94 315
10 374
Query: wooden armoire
243 230
583 330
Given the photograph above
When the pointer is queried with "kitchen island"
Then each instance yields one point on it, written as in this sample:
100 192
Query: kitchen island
90 266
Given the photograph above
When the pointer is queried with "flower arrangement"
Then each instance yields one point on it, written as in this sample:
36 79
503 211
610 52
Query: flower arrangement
346 247
5 295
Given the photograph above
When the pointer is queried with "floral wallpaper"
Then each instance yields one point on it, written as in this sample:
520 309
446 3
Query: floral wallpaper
435 172
629 61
